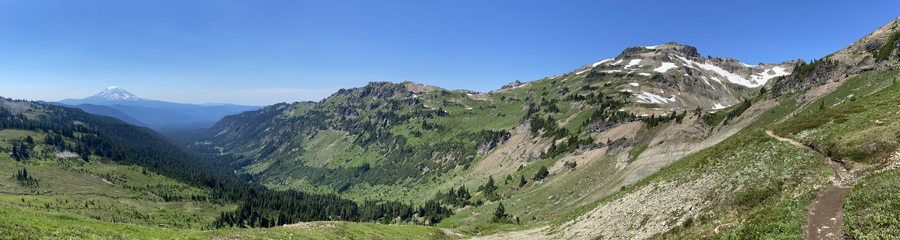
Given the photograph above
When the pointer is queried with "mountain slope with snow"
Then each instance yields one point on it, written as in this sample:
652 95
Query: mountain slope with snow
114 93
678 72
155 114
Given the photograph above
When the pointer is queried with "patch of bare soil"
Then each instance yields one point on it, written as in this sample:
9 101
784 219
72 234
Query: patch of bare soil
791 141
536 233
825 219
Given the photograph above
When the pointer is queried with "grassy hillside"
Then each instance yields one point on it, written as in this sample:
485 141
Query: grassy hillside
62 160
101 189
18 222
872 210
858 124
402 141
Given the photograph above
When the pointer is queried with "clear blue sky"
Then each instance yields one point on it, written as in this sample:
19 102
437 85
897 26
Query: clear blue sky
264 52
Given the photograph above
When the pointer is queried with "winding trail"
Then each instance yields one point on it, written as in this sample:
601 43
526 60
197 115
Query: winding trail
826 219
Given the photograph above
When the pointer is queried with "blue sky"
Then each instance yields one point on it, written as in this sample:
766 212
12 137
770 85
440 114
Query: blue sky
265 52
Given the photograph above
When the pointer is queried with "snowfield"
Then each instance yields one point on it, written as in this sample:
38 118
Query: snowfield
665 67
731 77
765 76
646 97
601 62
718 106
633 62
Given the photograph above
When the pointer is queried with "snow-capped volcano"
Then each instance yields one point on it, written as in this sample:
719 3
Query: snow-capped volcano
121 104
116 94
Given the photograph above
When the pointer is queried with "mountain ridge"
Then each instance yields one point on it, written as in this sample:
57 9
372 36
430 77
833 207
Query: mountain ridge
155 114
397 108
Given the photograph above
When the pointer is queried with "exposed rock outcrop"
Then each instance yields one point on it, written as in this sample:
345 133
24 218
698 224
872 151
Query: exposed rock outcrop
853 59
515 84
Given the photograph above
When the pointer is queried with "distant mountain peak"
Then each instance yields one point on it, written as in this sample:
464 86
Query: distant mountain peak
117 94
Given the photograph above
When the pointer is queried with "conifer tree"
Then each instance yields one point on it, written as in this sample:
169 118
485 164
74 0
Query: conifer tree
541 173
521 180
499 214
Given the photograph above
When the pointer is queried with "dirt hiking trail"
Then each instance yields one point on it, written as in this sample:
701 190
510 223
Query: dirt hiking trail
826 213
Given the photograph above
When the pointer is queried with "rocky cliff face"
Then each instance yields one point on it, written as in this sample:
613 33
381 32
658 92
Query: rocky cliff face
858 57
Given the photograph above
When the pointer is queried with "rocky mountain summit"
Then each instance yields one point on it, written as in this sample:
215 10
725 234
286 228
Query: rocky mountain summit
675 76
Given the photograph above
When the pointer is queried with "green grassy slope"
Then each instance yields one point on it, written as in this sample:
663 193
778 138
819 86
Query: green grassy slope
98 188
858 124
872 210
17 222
61 160
765 190
862 128
404 141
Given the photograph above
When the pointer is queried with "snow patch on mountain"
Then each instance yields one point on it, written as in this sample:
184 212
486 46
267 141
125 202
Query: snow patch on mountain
765 76
664 67
601 62
731 77
718 106
646 97
117 93
633 62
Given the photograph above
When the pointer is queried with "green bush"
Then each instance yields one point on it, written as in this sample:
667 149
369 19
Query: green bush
872 209
885 51
541 173
753 197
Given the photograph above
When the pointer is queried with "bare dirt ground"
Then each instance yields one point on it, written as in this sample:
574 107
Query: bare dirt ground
536 233
791 141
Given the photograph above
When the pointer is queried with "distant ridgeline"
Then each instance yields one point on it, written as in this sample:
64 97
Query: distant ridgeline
113 140
159 115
